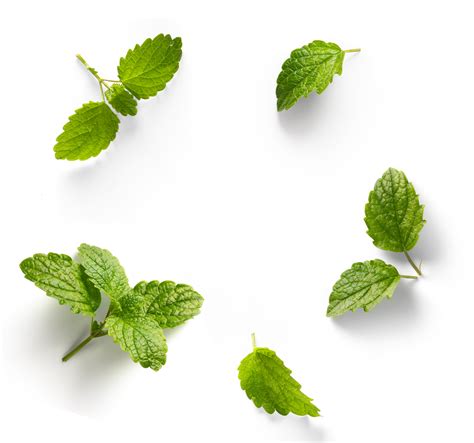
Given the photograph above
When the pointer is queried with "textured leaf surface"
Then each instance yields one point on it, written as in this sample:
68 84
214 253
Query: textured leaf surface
121 100
146 69
269 384
310 68
393 215
169 304
363 286
140 336
88 132
63 279
104 271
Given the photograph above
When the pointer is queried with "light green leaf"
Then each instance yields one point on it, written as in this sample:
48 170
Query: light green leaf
104 271
140 336
393 215
363 286
146 69
168 303
88 132
310 68
269 384
121 100
63 279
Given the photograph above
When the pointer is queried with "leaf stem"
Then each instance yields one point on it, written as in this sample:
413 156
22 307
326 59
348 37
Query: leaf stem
254 342
409 276
94 72
83 343
352 50
412 263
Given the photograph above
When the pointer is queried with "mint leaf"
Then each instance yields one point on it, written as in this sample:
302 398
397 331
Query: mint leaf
168 303
310 68
89 131
269 384
104 270
393 215
121 100
140 336
146 69
63 279
364 285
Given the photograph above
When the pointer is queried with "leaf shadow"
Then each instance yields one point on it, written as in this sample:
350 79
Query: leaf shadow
296 428
400 313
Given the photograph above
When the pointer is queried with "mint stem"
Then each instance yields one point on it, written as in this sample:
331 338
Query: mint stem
82 344
412 263
254 342
352 50
89 68
409 276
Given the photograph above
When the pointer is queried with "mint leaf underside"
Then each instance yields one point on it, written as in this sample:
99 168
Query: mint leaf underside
269 384
310 68
89 131
63 279
393 215
364 285
146 69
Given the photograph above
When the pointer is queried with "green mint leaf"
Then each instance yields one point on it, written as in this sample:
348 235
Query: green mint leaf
363 286
393 215
104 271
269 384
121 100
88 132
170 304
310 68
63 279
146 69
140 336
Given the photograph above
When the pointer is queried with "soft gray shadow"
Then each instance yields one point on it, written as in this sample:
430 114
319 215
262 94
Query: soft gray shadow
302 428
390 316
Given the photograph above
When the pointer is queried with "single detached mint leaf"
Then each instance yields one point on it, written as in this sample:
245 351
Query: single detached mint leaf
146 69
140 336
170 304
63 279
363 286
269 384
310 68
393 215
104 271
88 132
121 100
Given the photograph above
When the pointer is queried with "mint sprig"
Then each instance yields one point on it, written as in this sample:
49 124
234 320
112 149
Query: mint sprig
142 73
136 316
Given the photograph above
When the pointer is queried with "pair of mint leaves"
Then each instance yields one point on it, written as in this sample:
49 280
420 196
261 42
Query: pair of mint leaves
136 316
142 73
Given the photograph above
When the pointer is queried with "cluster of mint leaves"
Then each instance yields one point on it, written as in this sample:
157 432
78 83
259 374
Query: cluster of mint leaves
142 73
136 316
310 68
269 384
394 218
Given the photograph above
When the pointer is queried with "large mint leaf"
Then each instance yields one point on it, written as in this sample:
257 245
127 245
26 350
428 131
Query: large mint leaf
363 286
393 215
269 384
63 279
310 68
88 132
146 69
104 270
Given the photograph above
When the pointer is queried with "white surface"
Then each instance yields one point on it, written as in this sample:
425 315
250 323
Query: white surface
259 211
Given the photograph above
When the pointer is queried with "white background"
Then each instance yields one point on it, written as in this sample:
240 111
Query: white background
259 211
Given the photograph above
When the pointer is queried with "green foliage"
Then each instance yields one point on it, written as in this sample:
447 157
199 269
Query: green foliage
121 100
136 317
364 285
143 72
146 69
393 215
88 132
269 384
310 68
